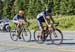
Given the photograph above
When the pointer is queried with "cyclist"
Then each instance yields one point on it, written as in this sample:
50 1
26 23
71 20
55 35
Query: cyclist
42 17
19 19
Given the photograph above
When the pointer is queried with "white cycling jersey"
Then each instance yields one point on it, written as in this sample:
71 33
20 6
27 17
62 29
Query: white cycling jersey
43 14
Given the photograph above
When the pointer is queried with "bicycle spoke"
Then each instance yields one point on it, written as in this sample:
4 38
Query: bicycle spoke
13 35
26 35
37 36
57 37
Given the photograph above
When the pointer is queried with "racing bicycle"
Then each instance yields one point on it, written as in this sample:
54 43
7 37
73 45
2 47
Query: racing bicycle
25 33
54 34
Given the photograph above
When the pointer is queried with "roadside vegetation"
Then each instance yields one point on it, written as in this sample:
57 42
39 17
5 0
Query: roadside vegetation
66 8
65 23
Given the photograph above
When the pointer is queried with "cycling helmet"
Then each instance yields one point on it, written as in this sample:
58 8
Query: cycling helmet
49 10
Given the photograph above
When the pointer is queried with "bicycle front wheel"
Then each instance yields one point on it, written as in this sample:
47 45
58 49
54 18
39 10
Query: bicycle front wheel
56 37
13 35
26 35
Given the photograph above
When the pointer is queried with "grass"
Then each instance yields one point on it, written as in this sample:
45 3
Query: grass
65 23
33 24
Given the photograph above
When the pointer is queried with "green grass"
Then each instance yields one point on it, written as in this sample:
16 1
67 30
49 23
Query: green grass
33 24
65 23
12 25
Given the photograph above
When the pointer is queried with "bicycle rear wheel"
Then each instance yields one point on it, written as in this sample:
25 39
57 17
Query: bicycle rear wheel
38 37
13 35
56 37
26 35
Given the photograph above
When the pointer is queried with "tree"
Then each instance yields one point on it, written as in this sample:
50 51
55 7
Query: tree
33 7
1 7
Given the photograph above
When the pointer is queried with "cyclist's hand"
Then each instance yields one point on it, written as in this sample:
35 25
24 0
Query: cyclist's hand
56 23
49 25
28 23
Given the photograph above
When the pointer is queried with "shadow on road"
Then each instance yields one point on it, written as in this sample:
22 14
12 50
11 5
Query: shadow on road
67 42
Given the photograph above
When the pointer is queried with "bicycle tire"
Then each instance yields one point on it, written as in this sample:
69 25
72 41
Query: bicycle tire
36 38
52 36
26 34
13 35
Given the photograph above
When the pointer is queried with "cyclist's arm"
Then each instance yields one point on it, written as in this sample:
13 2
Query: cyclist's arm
45 20
26 20
52 18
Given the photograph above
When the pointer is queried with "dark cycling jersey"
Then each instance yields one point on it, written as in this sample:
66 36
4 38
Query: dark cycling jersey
17 16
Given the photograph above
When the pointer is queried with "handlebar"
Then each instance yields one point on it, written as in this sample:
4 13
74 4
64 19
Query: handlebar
56 24
28 24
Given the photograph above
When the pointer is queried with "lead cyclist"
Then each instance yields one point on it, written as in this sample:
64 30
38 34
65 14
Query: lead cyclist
42 17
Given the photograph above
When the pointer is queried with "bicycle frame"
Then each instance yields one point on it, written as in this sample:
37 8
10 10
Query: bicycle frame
49 29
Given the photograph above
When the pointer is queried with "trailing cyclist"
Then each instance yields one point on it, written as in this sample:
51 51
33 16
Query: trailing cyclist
18 19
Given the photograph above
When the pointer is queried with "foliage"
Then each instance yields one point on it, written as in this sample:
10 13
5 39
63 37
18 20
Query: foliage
65 23
33 7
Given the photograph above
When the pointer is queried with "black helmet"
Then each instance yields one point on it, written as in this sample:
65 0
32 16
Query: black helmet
49 10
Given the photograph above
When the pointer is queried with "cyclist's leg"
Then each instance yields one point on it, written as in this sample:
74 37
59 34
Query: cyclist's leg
48 20
21 21
16 22
41 28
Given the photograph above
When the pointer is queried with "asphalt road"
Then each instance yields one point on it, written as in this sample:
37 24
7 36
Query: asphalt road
7 45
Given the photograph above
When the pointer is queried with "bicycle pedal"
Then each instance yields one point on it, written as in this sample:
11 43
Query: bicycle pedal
42 38
25 34
55 36
19 37
13 35
38 36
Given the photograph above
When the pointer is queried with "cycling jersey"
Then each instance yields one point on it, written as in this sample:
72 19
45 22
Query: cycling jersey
17 16
40 18
41 15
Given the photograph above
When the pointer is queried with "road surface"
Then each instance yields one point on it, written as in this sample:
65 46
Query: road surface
7 45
